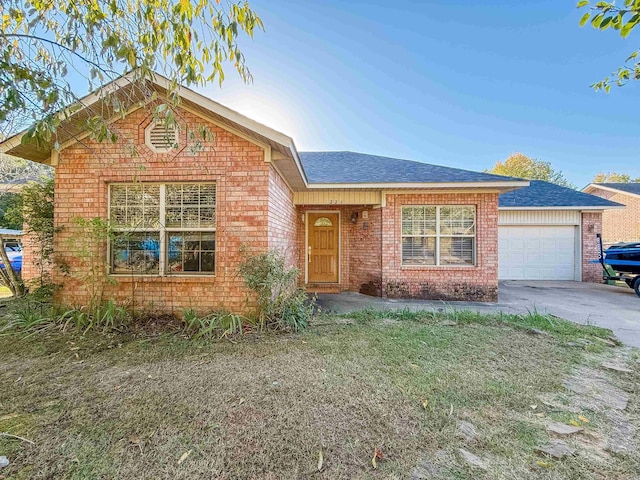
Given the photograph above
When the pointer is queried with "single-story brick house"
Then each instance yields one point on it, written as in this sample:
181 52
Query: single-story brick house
181 211
619 225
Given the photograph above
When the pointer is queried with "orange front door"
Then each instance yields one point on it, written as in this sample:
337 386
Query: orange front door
322 248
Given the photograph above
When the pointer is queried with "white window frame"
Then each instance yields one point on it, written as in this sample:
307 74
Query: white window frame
163 232
437 235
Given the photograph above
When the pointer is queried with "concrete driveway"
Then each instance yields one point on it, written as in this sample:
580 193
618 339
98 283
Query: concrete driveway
616 308
613 307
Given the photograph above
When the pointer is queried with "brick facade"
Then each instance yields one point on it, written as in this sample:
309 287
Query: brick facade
478 283
245 212
365 263
31 271
591 225
371 251
283 218
620 225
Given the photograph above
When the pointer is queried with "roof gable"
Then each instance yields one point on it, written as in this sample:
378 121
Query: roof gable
134 96
351 168
540 194
632 188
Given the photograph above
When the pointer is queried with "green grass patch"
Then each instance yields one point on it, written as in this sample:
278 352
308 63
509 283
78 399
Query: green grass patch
532 320
262 405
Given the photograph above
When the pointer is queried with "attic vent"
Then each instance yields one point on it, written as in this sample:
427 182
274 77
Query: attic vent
160 138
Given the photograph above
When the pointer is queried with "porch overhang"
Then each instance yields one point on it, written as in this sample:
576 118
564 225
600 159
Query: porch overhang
375 194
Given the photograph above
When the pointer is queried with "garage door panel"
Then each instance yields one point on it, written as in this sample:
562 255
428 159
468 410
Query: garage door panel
536 252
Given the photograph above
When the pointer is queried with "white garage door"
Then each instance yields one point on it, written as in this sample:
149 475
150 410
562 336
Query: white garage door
536 252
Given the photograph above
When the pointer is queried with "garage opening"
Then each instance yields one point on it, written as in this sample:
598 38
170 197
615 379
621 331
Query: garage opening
535 249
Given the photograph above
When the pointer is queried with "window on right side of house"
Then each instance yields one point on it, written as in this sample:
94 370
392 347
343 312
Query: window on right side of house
434 235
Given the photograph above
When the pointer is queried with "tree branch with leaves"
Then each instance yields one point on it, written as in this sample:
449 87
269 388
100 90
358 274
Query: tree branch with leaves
606 15
46 46
614 177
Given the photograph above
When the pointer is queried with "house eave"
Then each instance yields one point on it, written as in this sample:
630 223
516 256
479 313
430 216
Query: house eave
575 208
595 186
265 137
501 186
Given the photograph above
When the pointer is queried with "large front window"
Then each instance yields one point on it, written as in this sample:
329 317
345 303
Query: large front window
438 235
163 229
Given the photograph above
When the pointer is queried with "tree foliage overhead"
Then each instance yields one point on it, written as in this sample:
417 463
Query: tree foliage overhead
50 49
614 177
521 166
623 19
15 170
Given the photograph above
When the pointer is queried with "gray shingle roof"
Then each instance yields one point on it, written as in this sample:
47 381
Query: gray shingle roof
624 187
351 167
545 194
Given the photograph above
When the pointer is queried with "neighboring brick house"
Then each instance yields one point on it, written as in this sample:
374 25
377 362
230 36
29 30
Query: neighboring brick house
181 211
619 225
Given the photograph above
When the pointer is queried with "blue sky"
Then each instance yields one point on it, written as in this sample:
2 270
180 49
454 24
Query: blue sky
457 83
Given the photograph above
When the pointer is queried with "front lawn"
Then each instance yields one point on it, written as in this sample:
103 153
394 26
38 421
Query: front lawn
269 406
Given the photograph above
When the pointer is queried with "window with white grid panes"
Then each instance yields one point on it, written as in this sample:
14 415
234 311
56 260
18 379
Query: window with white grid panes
434 235
163 229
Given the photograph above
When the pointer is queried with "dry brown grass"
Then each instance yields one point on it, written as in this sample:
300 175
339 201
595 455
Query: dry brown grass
264 406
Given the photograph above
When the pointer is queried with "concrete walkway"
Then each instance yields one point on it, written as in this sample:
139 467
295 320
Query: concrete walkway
616 308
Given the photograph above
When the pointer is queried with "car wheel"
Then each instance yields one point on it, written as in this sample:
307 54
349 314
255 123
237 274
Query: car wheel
636 286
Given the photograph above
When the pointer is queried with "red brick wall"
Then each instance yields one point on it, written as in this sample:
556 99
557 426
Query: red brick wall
620 225
242 177
365 262
30 258
479 282
283 217
371 257
360 247
591 225
35 270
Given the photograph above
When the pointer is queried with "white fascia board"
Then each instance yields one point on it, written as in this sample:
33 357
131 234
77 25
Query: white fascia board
226 112
591 208
416 185
296 159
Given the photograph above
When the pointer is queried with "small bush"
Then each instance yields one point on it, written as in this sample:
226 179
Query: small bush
281 304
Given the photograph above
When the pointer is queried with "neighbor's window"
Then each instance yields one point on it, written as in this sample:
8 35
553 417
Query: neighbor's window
438 235
163 229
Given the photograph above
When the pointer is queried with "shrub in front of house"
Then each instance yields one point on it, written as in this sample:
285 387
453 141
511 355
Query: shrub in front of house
280 303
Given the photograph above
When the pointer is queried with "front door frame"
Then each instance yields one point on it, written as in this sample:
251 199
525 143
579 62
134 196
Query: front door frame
306 244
